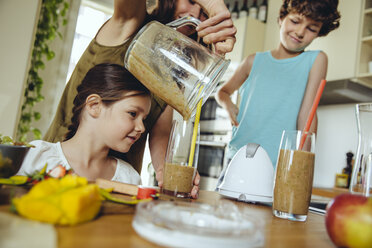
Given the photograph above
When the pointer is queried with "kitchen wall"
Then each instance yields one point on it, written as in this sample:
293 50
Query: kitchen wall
17 22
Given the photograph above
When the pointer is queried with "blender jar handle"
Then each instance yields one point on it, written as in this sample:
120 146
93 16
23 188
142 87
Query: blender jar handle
184 21
187 20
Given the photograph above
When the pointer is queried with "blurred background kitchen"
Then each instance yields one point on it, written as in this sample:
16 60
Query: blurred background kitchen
349 50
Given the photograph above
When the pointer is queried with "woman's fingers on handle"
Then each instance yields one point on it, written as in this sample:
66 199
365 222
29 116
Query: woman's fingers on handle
220 20
219 29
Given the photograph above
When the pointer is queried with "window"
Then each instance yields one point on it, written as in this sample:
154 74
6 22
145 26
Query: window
90 19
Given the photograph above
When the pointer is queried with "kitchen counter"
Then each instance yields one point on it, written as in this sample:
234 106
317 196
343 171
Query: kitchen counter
113 228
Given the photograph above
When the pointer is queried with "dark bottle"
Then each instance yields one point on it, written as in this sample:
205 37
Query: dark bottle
349 167
244 10
262 11
235 11
253 10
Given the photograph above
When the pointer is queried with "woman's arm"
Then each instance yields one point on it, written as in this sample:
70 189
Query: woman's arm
233 84
317 73
218 29
128 17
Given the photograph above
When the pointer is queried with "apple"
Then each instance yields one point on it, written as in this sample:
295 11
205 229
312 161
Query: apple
348 221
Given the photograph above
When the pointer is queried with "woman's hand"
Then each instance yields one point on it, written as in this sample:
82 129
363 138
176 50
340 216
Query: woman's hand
195 188
218 29
159 176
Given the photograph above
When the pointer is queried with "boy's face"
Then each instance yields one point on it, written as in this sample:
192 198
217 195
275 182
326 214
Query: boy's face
298 31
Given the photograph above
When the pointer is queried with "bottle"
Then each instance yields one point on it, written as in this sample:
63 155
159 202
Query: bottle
228 6
235 11
253 10
348 169
244 10
262 11
343 179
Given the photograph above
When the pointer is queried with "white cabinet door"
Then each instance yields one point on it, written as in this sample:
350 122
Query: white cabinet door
341 45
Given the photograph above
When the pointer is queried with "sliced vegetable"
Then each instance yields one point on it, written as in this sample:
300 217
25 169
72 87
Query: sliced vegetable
106 194
14 180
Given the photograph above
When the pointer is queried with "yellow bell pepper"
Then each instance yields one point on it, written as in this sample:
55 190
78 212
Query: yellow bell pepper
67 201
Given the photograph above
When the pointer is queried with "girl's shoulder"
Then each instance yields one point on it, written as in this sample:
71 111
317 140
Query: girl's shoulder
43 153
42 145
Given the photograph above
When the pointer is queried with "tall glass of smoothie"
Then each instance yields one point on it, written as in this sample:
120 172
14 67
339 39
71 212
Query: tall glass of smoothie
180 166
294 175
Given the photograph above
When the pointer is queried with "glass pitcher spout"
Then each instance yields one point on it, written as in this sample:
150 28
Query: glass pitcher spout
361 180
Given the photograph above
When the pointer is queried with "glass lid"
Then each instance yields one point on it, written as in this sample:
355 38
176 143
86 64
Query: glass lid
192 224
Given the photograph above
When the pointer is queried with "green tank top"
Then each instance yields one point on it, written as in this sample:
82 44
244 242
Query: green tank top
93 55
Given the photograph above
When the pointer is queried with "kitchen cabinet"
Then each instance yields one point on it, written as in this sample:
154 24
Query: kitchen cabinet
341 45
349 48
365 44
249 38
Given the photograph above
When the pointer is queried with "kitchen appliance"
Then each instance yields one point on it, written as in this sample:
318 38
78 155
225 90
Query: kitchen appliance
249 176
173 66
215 134
212 159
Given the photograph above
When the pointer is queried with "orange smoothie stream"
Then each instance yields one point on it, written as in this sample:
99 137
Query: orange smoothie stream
294 181
178 180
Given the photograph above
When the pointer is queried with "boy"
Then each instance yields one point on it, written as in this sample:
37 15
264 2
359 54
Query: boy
277 87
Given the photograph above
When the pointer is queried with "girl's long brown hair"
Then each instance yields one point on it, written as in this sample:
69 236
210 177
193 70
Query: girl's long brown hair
110 82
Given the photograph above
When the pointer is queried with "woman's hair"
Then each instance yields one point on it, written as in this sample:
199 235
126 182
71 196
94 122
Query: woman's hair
164 12
110 82
324 11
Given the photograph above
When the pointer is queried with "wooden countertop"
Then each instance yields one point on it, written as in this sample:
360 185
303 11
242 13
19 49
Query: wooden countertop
113 228
329 192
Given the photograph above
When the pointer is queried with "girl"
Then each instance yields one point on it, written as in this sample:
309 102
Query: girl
109 110
110 45
277 87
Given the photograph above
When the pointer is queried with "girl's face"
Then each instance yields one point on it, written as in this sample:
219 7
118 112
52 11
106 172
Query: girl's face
122 122
188 8
297 32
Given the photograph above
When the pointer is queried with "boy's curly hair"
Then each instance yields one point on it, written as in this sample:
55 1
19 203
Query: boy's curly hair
324 11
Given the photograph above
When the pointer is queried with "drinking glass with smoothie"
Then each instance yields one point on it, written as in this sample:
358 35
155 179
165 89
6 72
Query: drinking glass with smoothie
294 175
178 173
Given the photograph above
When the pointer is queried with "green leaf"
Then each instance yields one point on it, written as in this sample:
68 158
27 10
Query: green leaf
37 116
37 133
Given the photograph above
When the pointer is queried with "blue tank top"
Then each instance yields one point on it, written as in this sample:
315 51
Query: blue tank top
271 98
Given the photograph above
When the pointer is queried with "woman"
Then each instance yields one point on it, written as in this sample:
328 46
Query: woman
110 45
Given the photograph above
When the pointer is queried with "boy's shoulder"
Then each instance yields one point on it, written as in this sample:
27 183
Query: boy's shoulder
318 54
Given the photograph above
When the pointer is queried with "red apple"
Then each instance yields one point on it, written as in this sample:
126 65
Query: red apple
349 221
